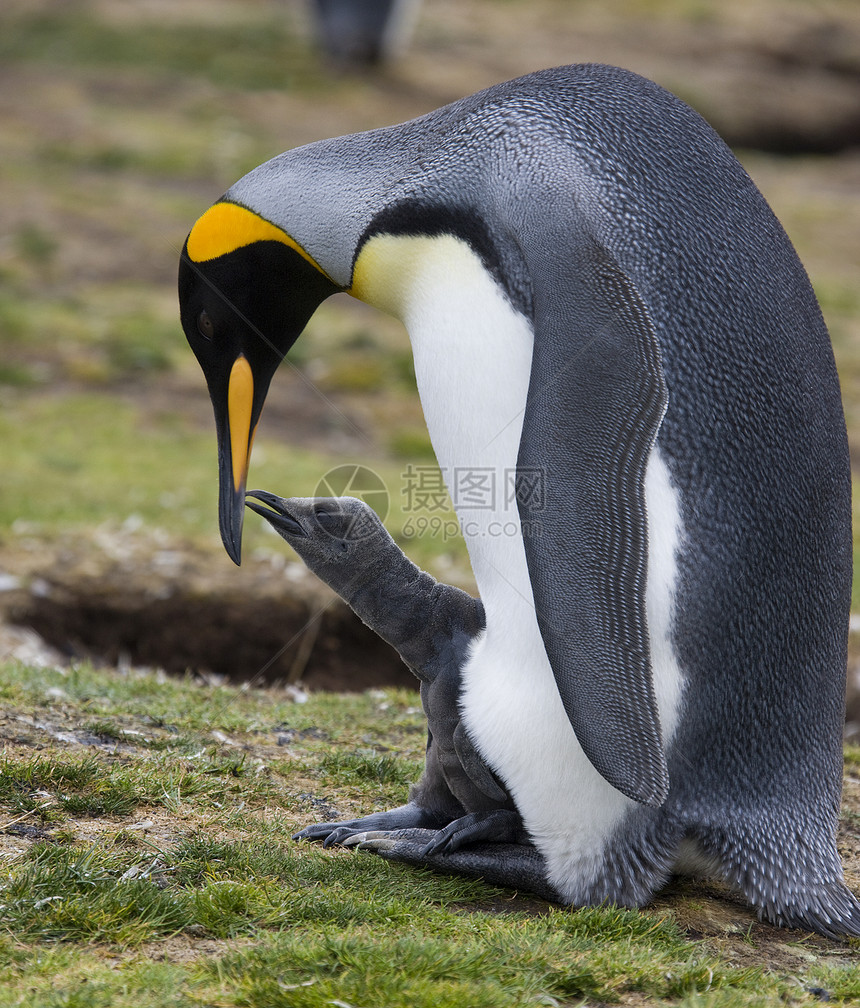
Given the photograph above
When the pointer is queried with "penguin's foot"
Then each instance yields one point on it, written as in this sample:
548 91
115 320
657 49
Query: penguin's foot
403 817
497 826
513 865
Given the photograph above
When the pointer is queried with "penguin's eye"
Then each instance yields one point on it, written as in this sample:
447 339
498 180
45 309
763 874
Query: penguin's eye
204 325
326 518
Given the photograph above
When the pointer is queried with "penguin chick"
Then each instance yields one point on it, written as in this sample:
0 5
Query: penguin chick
431 625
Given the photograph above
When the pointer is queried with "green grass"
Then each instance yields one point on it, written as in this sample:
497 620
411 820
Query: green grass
481 960
75 787
64 338
89 902
57 789
70 464
315 946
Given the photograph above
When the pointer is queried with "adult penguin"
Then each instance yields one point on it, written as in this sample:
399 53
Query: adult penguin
630 389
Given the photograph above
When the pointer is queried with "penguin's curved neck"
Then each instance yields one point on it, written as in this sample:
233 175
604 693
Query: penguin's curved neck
394 597
410 609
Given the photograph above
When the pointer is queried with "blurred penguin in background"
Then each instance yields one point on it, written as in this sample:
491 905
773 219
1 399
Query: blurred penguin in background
357 34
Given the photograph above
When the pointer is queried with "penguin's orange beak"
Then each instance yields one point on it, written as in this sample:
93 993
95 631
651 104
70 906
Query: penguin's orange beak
234 456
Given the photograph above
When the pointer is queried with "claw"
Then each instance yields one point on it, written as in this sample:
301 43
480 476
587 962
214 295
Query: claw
436 846
354 838
305 834
317 831
369 837
377 842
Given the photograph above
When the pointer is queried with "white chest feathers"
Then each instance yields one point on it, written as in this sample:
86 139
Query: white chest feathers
473 354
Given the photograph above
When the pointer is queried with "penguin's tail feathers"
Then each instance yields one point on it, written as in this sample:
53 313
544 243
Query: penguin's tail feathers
830 910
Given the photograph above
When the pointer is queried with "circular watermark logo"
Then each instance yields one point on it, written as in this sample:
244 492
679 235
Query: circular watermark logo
355 481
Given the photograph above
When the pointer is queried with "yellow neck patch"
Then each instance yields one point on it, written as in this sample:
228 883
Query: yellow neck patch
392 270
226 227
388 267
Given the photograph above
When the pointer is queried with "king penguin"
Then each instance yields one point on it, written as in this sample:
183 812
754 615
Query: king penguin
631 392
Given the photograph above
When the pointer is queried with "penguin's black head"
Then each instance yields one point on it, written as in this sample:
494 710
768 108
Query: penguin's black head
246 292
337 537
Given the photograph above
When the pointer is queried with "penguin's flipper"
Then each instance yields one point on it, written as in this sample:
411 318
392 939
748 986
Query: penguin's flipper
596 398
515 866
475 768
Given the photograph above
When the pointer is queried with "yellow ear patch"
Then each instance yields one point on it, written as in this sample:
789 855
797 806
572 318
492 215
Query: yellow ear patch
226 227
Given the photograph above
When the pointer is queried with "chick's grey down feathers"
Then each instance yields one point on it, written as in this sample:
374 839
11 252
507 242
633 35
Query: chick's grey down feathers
431 626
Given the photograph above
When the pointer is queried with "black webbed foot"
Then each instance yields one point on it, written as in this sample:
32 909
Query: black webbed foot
513 865
497 826
409 816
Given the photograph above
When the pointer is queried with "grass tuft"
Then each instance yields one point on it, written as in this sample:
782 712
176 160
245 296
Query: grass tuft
362 768
69 894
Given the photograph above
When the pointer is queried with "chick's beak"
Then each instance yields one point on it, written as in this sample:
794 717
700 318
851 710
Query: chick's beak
275 513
